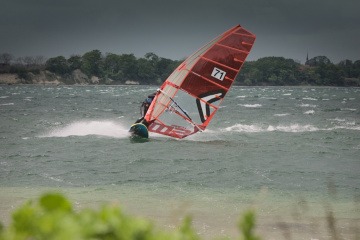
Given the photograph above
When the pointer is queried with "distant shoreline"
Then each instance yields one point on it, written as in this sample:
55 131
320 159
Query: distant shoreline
95 68
48 78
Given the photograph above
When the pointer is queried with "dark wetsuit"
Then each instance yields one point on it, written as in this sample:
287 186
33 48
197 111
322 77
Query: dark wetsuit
144 108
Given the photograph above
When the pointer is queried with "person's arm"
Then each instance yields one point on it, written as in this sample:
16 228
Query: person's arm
142 107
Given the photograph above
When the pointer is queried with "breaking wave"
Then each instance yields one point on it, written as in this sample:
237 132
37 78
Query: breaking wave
292 128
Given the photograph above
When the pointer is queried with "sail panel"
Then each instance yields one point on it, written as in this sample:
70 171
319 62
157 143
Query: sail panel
229 57
206 68
245 32
178 76
160 103
198 85
233 42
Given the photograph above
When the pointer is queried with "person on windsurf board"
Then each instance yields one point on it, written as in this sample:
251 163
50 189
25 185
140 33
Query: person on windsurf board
195 90
139 128
144 108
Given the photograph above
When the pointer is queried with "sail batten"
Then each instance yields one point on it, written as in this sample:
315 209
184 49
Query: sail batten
219 64
208 80
192 94
226 46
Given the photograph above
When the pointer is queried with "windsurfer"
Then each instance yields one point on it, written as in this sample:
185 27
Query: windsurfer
144 108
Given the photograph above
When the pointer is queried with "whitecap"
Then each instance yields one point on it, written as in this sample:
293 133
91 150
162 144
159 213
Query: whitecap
348 109
47 176
244 128
310 112
308 105
295 128
357 128
281 114
338 119
7 104
253 128
309 98
251 105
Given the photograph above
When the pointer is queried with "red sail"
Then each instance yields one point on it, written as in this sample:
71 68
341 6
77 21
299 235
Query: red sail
189 98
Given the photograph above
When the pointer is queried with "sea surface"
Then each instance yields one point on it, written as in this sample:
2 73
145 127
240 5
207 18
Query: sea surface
290 153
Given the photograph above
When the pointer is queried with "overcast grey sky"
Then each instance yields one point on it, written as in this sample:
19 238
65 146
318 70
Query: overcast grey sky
175 28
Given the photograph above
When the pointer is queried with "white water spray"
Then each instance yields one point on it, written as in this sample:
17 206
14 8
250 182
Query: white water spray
84 128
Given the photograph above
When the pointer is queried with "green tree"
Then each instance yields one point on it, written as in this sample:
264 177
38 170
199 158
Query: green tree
330 75
57 65
92 63
112 67
128 66
319 60
356 67
308 75
271 71
152 65
249 74
164 68
74 62
146 71
152 57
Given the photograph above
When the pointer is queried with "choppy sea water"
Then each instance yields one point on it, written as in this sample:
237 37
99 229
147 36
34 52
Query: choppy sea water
291 153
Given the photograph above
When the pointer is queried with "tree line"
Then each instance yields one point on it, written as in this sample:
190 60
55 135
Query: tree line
316 71
152 69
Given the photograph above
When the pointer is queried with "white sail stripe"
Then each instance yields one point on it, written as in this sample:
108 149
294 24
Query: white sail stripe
204 104
155 127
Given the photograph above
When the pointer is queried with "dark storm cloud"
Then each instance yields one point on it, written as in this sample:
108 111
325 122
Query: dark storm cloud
174 28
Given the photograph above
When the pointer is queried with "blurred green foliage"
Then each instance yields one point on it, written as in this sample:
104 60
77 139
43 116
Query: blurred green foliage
53 217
